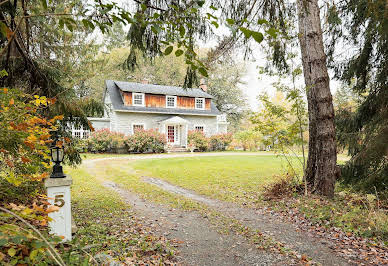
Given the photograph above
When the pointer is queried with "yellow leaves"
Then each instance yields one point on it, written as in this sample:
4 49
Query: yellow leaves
33 254
46 165
40 100
39 177
56 118
11 252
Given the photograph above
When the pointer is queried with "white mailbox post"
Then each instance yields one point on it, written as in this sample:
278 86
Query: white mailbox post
58 192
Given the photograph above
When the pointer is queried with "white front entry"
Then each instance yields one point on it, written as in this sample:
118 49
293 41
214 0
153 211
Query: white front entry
173 134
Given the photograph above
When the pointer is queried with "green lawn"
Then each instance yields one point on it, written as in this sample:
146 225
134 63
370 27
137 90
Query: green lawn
230 178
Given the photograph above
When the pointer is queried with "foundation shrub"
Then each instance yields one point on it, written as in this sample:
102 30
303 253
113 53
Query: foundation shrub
146 141
220 142
198 140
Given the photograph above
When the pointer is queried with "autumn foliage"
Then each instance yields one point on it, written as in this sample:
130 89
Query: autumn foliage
24 163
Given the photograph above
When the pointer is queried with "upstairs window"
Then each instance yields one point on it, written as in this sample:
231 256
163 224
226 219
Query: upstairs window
171 101
138 99
199 128
199 103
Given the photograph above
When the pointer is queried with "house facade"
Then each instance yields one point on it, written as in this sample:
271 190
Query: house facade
171 110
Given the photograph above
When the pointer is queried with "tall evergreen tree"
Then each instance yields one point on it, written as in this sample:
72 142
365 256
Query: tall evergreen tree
361 27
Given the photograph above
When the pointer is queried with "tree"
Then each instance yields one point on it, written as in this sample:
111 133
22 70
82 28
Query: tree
224 84
321 170
362 28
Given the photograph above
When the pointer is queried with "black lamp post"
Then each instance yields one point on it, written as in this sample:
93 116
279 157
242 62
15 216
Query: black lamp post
57 154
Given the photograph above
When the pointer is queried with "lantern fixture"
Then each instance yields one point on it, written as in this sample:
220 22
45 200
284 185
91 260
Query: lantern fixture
57 154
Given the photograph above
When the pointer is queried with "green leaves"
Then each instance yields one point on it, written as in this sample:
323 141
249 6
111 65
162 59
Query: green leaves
88 24
44 3
203 71
247 32
230 21
168 50
257 36
215 24
71 23
178 52
272 32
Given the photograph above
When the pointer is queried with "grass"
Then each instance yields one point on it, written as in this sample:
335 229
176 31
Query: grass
107 226
229 178
242 180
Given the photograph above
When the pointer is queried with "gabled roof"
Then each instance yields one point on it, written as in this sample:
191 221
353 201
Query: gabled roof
174 120
161 89
118 105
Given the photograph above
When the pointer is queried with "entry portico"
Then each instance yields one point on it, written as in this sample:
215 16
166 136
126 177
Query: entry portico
176 129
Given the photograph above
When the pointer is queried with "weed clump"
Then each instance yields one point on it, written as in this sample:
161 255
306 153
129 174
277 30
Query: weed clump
286 186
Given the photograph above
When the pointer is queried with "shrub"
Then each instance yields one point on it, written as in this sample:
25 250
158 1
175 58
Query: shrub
198 139
220 142
248 140
105 140
146 141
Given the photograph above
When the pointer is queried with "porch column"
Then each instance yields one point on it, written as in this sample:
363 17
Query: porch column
186 134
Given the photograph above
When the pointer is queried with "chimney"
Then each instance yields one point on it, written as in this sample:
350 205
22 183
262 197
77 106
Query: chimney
144 81
202 85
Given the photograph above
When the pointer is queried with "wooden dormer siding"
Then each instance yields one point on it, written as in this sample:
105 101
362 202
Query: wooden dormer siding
159 101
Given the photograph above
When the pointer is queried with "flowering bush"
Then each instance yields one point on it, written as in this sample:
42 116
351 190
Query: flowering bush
105 140
146 141
197 139
219 142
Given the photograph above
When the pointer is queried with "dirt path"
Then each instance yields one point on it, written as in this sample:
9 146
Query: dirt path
199 242
286 233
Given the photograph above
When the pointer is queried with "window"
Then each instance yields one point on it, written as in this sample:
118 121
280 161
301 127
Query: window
199 128
199 103
171 101
77 134
138 99
136 127
86 134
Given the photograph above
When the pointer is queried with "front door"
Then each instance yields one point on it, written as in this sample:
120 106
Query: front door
173 134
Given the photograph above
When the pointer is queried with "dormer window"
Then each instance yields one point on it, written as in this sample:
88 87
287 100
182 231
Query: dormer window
138 99
200 103
170 101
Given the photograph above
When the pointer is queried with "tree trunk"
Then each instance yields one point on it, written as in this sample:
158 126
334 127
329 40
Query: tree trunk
321 171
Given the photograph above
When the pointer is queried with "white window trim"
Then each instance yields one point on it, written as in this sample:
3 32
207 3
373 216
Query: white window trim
204 128
137 124
203 105
175 101
133 99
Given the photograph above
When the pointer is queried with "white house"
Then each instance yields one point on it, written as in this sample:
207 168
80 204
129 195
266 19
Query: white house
171 110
